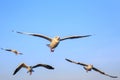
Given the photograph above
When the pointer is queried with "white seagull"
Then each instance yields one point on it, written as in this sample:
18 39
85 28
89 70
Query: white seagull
53 41
12 50
89 67
30 68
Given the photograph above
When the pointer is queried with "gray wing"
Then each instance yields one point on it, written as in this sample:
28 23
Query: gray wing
37 35
74 37
103 72
76 62
43 65
19 67
6 49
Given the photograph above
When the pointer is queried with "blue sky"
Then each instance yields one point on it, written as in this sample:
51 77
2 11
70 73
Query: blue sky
101 19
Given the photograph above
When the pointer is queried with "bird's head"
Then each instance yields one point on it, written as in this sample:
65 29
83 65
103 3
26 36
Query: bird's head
57 37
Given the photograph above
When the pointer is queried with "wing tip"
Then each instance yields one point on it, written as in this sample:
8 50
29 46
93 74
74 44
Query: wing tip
114 76
88 35
68 60
49 67
52 67
111 76
13 73
18 32
2 48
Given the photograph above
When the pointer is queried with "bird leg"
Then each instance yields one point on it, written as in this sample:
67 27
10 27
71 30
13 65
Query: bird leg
52 50
30 73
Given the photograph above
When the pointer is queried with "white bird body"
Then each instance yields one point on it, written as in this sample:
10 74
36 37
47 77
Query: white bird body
54 43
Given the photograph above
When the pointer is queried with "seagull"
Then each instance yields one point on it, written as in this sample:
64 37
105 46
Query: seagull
89 67
53 41
12 50
30 68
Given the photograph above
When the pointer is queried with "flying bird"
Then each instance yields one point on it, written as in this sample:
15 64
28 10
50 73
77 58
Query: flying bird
53 41
89 67
12 50
30 68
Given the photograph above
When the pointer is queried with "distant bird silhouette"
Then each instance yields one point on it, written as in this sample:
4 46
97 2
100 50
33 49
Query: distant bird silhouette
54 41
89 67
11 50
30 68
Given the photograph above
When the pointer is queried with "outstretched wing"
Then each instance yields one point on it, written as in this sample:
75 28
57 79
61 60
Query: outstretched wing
43 65
103 72
37 35
76 62
6 49
74 37
19 67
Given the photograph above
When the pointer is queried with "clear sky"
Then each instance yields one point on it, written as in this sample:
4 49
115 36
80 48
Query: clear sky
99 18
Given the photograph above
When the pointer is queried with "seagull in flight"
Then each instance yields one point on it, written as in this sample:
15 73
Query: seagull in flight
12 50
53 41
30 68
89 67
